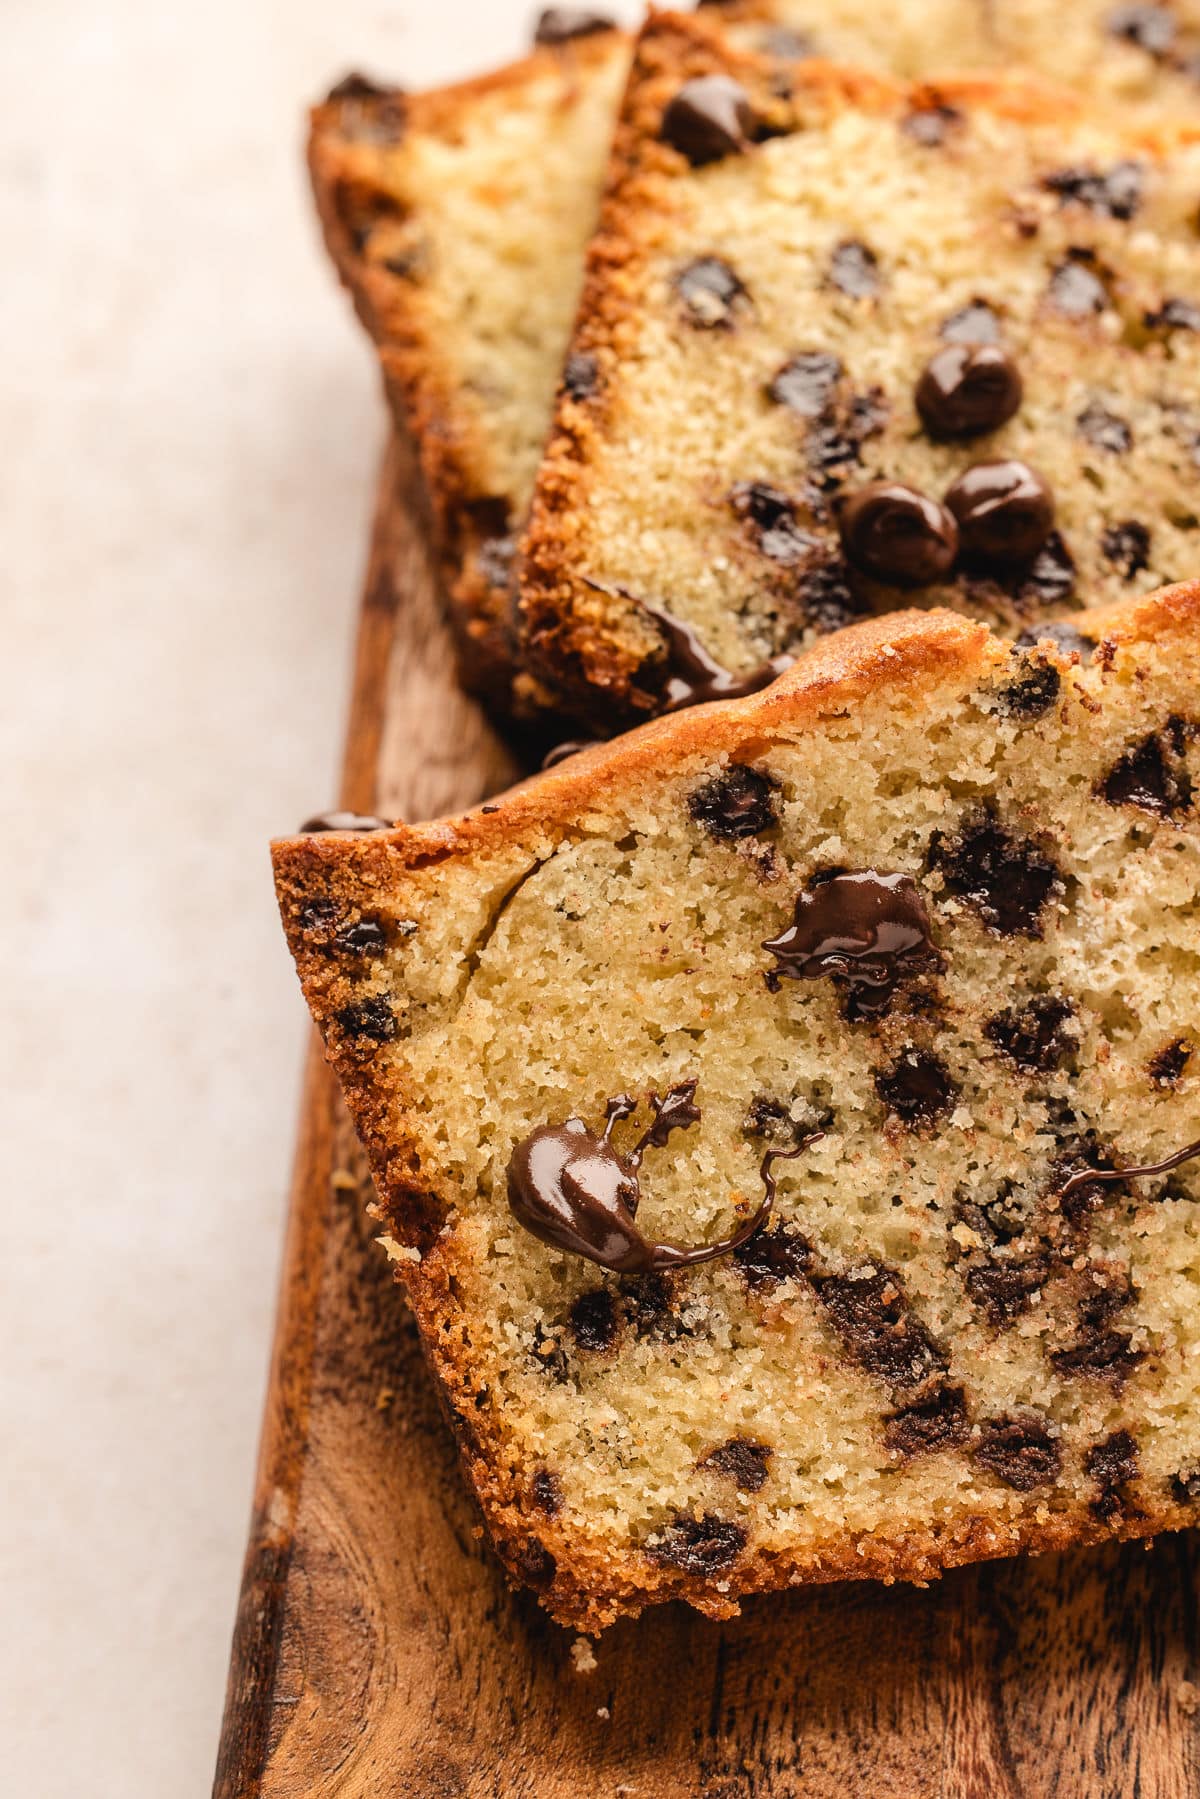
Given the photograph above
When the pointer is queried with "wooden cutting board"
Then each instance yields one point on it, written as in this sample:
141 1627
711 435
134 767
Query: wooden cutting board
377 1651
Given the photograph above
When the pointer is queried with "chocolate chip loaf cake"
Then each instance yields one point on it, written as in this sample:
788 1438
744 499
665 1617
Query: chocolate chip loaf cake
458 220
847 344
782 1117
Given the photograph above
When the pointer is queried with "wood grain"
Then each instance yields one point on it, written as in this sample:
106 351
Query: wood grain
377 1651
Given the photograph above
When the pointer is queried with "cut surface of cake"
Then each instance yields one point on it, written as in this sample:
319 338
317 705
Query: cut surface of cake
910 942
847 344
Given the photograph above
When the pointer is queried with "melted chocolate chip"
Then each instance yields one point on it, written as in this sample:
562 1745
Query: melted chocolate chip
319 916
710 290
1127 545
1006 879
581 375
1003 1286
1033 692
559 24
366 937
1104 430
930 126
833 441
1075 289
1166 1066
343 821
780 1254
698 1545
1080 1173
1004 512
771 513
736 803
1153 775
358 87
546 1492
694 678
710 117
1150 28
826 594
1108 1356
370 113
871 1314
1020 1451
807 383
1032 1035
866 931
1116 193
534 1563
1112 1464
1063 635
917 1089
1050 578
743 1462
966 390
647 1301
929 1425
975 323
369 1019
898 535
1185 1486
1174 315
593 1320
854 269
573 1190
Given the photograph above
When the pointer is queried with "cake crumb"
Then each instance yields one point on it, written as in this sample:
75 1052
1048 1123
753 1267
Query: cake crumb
1187 1697
582 1657
384 1398
343 1180
602 1711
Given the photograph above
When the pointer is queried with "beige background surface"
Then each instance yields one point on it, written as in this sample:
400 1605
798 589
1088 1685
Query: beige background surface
190 426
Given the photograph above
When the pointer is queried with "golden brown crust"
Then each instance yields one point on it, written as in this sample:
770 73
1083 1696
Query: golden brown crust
905 658
357 133
590 643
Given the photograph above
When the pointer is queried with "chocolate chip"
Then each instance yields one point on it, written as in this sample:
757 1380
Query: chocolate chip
1109 1356
559 24
534 1563
833 441
917 1089
1150 28
1019 1450
772 514
1078 1155
806 383
1004 512
710 117
1032 1035
854 269
898 535
743 1462
738 802
975 323
343 821
319 916
772 1256
1127 545
826 594
546 1492
1060 632
648 1304
1033 692
966 390
1185 1486
366 937
1105 429
710 290
1153 774
769 1120
581 375
1115 193
930 126
549 1356
1003 1286
698 1545
1075 289
1166 1066
358 87
929 1425
1174 315
593 1319
371 1019
871 1314
1005 878
1050 578
1112 1464
370 114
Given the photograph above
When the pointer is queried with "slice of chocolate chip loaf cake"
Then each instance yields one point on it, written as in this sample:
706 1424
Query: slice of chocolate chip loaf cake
847 344
907 944
458 220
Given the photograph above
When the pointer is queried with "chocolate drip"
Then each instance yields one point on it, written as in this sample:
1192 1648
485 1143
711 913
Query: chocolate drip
562 752
693 677
572 1189
1087 1177
866 930
343 821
